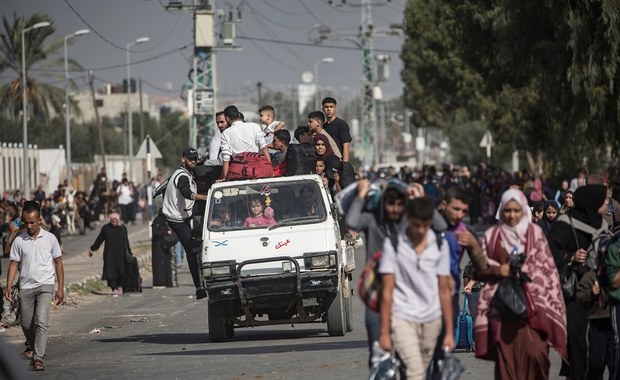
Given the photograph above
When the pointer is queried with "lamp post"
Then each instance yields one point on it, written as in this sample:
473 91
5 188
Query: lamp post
80 32
316 80
140 40
25 105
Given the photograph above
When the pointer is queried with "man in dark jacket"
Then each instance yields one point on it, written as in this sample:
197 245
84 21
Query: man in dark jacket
384 221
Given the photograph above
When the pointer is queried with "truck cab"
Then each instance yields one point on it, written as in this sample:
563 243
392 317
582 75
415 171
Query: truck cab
272 254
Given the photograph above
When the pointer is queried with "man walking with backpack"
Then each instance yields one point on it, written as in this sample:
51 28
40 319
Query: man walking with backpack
379 223
416 291
181 193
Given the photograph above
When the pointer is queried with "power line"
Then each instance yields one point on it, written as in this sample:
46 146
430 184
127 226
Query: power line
309 11
274 36
114 44
295 27
144 60
252 41
283 11
314 45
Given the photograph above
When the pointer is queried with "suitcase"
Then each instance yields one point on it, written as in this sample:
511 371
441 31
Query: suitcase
464 333
132 280
249 165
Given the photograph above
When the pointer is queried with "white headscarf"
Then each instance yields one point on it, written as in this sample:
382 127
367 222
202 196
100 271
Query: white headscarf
514 236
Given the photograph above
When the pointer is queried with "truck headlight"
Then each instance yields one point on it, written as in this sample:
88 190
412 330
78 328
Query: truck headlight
220 269
316 260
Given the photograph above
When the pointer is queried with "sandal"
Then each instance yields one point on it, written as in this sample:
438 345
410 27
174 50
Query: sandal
28 352
38 365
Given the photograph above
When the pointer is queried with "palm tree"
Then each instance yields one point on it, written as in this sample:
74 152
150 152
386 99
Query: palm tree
42 97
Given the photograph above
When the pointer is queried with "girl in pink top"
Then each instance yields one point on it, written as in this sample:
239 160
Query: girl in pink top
259 217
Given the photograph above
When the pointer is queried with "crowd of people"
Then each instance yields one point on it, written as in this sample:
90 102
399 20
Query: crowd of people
538 242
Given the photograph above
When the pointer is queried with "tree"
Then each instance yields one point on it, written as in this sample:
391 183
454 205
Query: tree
43 98
541 75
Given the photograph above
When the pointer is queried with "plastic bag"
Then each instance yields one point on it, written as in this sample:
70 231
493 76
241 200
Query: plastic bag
450 367
385 365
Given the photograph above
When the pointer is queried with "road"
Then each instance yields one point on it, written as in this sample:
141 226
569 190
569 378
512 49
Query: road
162 334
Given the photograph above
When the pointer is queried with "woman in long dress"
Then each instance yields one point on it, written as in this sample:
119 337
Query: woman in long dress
520 348
115 252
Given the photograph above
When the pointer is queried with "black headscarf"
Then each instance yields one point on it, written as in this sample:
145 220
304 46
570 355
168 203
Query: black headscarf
588 199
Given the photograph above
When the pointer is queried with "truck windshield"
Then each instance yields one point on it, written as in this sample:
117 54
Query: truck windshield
247 206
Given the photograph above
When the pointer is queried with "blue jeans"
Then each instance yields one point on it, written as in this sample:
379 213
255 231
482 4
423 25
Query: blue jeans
179 251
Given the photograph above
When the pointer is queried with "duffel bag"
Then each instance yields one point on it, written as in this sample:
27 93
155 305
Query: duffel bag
249 165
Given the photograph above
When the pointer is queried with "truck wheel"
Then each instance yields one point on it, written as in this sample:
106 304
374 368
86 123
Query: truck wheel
230 329
348 312
216 323
336 324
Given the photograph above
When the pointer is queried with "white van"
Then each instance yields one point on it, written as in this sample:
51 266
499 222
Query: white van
285 266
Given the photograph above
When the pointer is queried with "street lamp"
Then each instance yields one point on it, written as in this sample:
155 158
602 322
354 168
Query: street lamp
25 105
317 106
129 121
80 32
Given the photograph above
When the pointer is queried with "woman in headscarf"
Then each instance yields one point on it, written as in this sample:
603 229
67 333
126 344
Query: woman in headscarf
537 194
322 146
549 216
520 348
569 247
115 252
567 201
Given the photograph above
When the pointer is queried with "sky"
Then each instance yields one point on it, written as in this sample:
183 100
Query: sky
274 36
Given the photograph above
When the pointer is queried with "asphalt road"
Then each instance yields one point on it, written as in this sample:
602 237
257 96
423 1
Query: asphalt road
162 334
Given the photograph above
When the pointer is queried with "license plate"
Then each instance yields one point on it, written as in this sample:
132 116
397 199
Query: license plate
310 301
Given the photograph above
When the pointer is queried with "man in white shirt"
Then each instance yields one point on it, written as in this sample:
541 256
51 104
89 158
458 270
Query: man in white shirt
38 255
216 142
240 137
416 293
125 200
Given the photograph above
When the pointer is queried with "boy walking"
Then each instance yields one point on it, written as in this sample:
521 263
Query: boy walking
416 292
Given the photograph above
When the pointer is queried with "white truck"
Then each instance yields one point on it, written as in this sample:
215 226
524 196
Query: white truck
287 265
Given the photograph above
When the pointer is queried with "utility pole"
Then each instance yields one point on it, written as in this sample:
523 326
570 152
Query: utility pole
91 80
202 102
141 109
259 88
370 79
369 116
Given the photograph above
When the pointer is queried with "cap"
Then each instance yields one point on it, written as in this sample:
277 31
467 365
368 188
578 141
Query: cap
190 153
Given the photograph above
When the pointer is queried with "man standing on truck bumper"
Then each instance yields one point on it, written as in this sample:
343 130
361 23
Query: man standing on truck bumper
179 198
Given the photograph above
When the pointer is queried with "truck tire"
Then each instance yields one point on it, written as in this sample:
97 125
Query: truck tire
336 324
230 329
348 312
218 331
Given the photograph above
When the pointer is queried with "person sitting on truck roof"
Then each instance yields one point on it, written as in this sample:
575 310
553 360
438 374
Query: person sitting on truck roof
281 141
259 214
240 137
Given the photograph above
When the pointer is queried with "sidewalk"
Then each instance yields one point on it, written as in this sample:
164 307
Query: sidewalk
79 268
